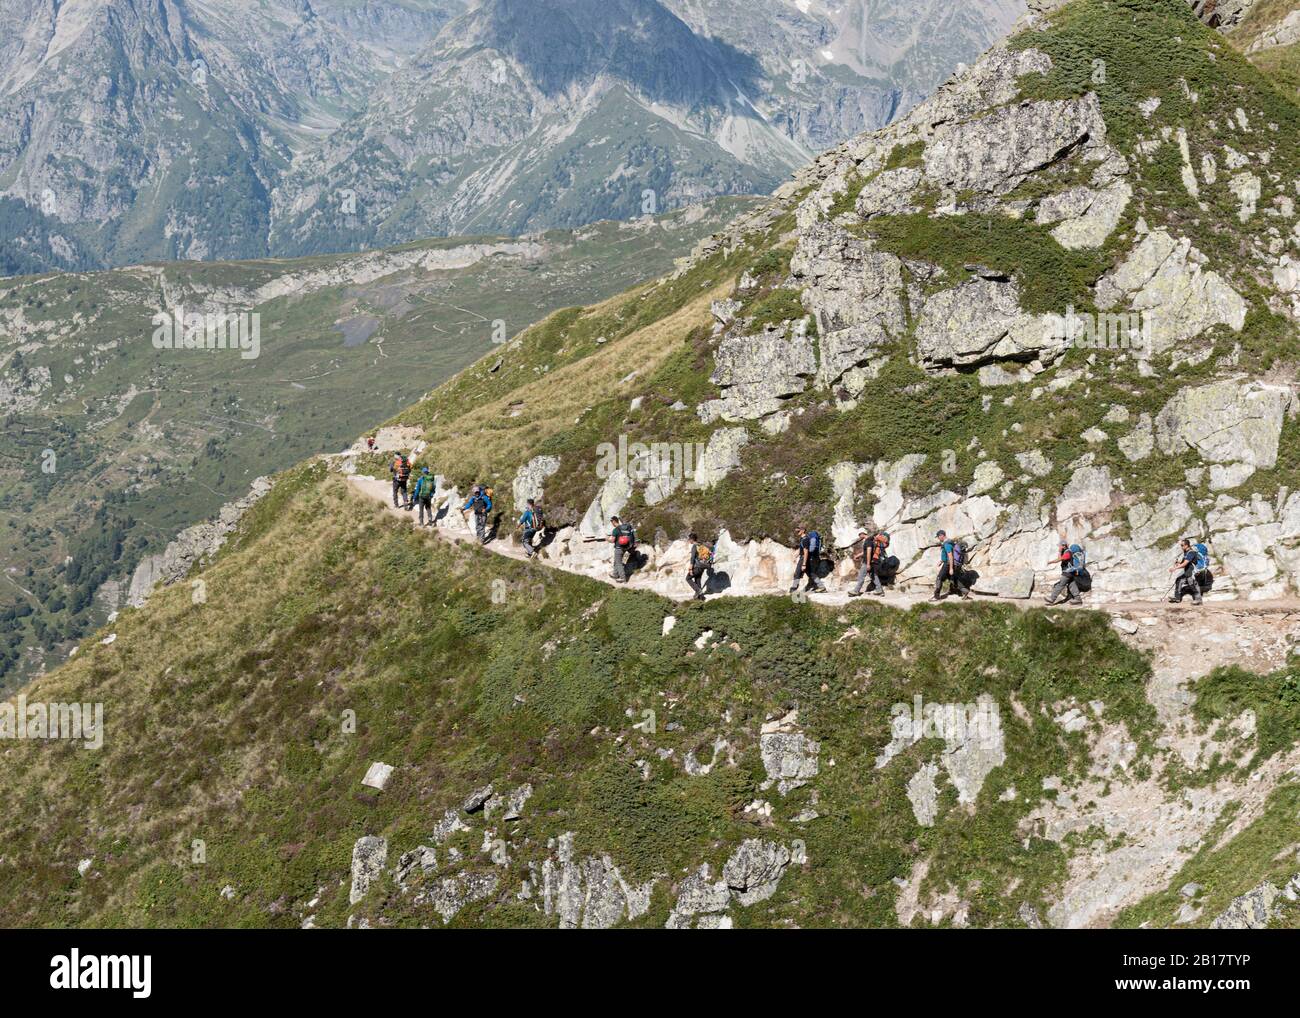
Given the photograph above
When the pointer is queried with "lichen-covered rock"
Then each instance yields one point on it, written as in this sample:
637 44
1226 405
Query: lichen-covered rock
698 895
995 153
756 373
754 870
1163 280
531 478
790 759
981 321
369 855
1234 426
451 894
589 893
614 494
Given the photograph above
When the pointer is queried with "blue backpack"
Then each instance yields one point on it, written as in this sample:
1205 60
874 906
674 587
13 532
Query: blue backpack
814 543
1202 557
1078 558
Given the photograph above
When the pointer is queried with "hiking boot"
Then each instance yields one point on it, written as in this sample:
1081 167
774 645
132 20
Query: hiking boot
855 593
966 596
936 597
699 597
1076 600
819 589
876 593
1175 600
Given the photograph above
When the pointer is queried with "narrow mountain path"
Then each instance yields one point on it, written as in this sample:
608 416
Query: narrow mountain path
380 490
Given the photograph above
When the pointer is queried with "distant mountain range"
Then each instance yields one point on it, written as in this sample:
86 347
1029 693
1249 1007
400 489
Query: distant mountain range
137 130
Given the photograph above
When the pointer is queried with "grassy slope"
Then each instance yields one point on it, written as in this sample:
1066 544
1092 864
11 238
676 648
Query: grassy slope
224 724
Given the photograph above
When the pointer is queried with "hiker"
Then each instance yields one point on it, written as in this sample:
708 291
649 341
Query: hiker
422 495
623 538
701 564
869 553
400 468
807 557
952 557
1189 563
370 443
531 523
481 502
1072 567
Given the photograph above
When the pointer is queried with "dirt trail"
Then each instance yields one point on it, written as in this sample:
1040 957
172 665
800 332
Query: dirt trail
380 490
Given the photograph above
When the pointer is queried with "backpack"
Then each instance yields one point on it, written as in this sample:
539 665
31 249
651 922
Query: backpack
814 540
1078 558
1202 557
703 554
960 552
625 536
539 520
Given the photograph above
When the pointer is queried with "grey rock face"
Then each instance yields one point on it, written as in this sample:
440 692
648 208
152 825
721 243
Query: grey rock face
1011 143
422 858
1251 911
589 893
755 372
369 855
451 894
476 799
191 546
1233 425
529 481
790 759
754 870
981 321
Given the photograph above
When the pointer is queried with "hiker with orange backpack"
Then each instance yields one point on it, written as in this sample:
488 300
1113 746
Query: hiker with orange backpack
623 538
870 554
400 468
701 564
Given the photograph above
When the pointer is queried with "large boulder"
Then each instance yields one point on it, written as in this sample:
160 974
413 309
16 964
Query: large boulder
993 154
369 855
530 478
756 374
980 322
1163 280
1234 426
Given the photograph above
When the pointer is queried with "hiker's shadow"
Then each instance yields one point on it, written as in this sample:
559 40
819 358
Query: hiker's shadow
717 582
636 561
441 514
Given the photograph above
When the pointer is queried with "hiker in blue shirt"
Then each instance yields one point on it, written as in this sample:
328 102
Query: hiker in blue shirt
531 523
807 558
951 565
1188 563
481 502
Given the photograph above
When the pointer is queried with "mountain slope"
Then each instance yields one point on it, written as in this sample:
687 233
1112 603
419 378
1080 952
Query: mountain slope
523 115
132 130
876 346
112 446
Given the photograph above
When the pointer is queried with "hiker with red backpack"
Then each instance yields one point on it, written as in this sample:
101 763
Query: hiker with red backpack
701 564
870 553
807 558
1073 564
623 538
952 564
400 469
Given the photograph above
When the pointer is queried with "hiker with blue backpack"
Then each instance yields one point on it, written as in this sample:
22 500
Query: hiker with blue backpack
807 558
1074 573
1193 562
952 565
481 502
